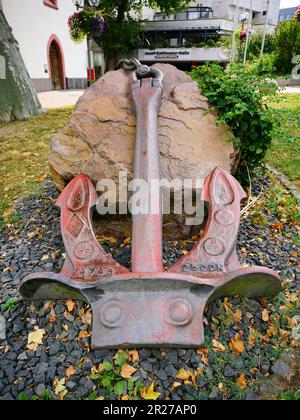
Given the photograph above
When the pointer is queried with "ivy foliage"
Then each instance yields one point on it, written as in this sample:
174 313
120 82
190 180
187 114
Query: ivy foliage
239 99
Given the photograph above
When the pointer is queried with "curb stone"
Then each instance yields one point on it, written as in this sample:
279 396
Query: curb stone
285 181
2 328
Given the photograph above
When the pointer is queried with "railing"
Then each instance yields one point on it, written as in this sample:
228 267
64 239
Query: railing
193 13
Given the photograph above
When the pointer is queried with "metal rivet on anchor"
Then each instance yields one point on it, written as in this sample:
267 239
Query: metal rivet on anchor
180 312
111 314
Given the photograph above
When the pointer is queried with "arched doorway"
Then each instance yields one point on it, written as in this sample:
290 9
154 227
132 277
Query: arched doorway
56 64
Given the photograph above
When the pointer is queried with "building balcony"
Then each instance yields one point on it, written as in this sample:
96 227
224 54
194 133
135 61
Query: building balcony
200 24
192 13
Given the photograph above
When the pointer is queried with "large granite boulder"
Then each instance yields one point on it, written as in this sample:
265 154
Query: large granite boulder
99 139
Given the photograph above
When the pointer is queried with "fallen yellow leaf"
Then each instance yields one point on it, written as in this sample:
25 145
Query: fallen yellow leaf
203 353
272 331
241 381
127 371
175 385
70 305
83 334
86 317
184 375
60 388
149 394
36 337
70 372
218 346
237 345
52 316
238 316
134 356
265 315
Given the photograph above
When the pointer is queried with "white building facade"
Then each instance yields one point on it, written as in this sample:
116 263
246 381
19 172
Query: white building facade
222 9
184 38
52 59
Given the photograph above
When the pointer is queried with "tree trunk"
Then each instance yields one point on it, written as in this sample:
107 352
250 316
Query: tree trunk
18 98
111 59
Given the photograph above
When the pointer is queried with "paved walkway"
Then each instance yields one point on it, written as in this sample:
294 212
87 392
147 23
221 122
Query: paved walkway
59 98
62 98
291 89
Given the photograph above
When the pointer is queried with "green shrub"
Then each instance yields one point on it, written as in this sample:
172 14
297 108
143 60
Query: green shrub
238 97
210 43
290 396
255 44
219 44
166 43
264 66
202 45
188 44
287 45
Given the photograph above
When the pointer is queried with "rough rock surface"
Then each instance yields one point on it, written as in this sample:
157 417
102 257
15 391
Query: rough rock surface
99 139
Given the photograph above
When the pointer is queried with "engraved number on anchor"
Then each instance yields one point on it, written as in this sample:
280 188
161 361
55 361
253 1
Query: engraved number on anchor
203 268
89 272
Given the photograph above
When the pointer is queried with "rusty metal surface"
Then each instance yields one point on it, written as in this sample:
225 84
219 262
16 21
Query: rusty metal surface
215 253
148 307
147 228
86 261
150 310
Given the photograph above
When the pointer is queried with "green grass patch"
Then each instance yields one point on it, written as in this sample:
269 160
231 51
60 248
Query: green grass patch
24 150
284 154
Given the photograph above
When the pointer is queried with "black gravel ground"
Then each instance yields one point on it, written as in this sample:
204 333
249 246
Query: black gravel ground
37 246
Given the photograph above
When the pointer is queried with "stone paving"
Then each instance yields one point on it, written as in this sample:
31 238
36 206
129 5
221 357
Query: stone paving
59 98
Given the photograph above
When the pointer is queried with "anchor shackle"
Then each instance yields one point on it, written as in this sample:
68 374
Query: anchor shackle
141 71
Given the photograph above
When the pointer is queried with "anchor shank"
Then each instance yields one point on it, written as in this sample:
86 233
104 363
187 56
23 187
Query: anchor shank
147 228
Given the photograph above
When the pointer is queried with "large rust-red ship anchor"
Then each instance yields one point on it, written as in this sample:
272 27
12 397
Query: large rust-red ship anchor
147 306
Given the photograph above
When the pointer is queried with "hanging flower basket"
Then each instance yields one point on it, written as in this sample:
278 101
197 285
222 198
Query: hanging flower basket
86 23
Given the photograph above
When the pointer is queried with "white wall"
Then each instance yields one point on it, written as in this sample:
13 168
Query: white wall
226 8
33 23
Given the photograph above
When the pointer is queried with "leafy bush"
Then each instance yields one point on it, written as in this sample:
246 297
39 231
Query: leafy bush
290 396
264 66
238 97
211 42
255 44
287 44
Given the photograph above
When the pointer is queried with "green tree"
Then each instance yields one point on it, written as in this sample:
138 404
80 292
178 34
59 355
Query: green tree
287 45
122 31
18 99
